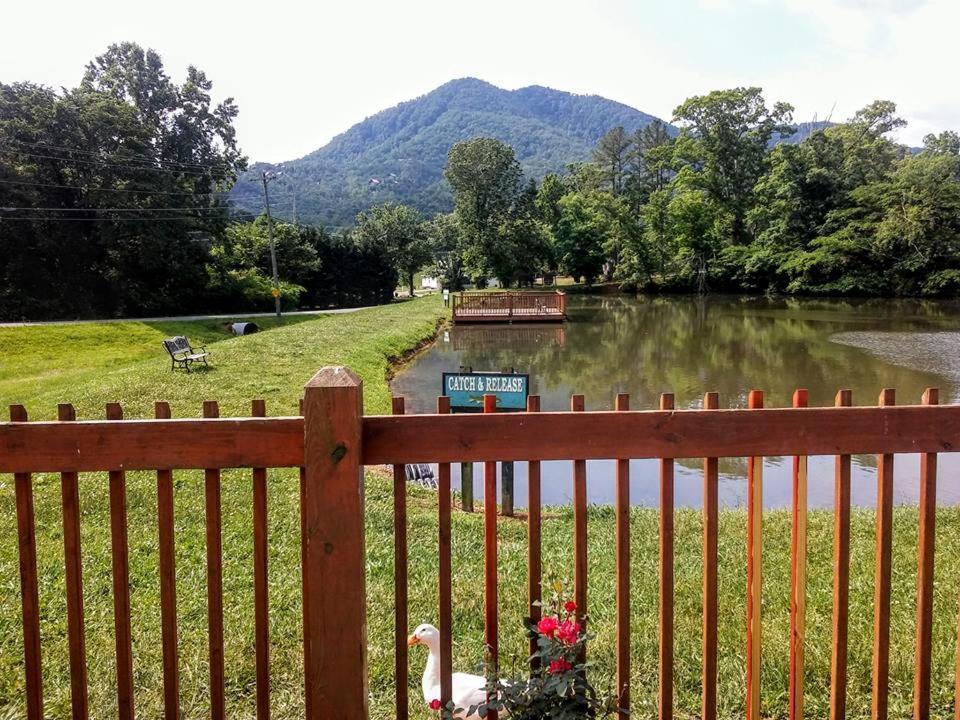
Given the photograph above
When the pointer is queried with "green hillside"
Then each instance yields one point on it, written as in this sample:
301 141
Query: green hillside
399 154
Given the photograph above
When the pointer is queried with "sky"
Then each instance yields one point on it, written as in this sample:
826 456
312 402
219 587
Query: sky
302 72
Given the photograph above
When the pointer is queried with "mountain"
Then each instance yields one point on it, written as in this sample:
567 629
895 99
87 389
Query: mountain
399 154
802 132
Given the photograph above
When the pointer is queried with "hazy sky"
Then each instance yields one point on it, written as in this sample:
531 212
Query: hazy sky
303 72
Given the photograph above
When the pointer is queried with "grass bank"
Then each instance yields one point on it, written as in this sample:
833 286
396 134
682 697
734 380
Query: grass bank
90 365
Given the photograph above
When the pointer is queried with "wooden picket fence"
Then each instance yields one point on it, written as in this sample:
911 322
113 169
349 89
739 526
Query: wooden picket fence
333 440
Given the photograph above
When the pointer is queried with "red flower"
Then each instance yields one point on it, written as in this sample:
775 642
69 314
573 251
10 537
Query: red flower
559 666
570 606
547 626
435 704
569 632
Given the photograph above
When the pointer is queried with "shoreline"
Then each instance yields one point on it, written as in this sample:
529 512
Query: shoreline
397 363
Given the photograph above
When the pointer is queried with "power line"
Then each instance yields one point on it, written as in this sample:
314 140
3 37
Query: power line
101 163
103 189
89 189
42 218
140 159
161 218
202 208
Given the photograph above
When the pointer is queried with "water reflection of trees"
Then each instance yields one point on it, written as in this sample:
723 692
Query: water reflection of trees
511 337
729 345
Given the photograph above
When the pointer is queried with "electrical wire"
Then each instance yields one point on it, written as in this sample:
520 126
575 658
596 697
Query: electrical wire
141 159
102 163
4 219
103 189
201 208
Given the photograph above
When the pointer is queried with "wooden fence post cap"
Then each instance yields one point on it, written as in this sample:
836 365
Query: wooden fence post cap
334 376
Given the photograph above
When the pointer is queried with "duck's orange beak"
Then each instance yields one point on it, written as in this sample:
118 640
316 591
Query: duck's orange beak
413 640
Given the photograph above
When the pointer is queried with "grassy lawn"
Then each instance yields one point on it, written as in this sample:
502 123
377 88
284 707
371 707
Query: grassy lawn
90 365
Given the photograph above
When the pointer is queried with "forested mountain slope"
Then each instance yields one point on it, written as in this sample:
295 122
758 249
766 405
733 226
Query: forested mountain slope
399 154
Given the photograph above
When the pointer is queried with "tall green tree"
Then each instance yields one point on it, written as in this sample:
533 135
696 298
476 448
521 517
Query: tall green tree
724 138
650 163
485 177
945 143
551 189
119 182
399 231
446 244
611 155
918 237
589 223
698 226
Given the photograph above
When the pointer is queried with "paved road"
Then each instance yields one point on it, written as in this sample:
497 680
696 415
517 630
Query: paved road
176 318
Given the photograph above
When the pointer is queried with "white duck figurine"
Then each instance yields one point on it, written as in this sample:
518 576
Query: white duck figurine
467 689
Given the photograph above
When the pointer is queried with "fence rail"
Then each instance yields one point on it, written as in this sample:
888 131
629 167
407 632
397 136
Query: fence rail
332 441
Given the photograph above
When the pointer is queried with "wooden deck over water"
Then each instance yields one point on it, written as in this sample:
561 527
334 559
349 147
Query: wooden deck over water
510 307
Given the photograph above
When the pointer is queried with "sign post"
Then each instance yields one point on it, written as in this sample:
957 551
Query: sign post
466 486
506 488
466 391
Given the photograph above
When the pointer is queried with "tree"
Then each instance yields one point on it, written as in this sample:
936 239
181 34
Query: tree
656 233
524 250
946 143
399 232
724 139
650 163
918 237
586 225
113 156
446 243
247 245
552 188
350 274
698 226
611 155
485 177
876 119
804 184
584 177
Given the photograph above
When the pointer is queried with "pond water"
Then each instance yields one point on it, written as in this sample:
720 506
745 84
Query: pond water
688 346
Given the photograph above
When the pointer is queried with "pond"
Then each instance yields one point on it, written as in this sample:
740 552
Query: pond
687 345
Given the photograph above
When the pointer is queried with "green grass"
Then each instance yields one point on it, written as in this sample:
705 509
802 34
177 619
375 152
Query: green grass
94 364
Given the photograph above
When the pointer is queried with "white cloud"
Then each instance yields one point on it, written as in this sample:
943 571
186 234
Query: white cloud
895 51
304 72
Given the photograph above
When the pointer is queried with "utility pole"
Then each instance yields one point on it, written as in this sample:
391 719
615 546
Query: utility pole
296 220
266 177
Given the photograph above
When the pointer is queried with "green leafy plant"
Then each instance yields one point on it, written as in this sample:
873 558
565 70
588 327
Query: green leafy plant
558 688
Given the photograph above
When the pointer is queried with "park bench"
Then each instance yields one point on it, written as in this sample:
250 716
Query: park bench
182 355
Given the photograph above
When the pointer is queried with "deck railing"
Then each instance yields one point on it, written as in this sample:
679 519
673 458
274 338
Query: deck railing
331 443
510 305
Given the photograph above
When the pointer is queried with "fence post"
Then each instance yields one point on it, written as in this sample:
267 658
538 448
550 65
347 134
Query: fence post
335 636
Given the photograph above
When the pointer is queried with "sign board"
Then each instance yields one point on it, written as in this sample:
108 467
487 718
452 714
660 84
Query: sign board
466 390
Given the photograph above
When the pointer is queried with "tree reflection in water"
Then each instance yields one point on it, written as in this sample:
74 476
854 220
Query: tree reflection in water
688 346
